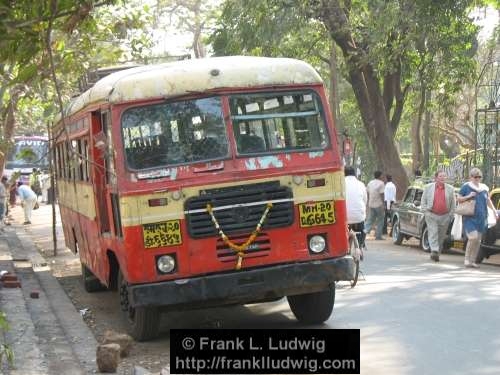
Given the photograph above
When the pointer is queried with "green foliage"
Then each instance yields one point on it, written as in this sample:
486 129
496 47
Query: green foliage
6 353
83 36
27 154
407 45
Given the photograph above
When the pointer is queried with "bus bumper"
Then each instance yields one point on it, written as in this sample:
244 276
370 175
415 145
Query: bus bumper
239 287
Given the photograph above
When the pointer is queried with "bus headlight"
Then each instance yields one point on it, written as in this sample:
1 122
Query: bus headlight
165 263
317 244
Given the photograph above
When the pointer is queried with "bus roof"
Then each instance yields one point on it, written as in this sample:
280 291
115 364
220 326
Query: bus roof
197 75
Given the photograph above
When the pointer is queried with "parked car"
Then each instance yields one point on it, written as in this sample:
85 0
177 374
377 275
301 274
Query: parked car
490 243
408 221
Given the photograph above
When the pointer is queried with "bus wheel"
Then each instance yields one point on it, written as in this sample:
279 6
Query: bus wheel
90 282
313 308
144 321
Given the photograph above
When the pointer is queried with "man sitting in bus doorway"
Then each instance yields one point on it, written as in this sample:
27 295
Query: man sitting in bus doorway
28 200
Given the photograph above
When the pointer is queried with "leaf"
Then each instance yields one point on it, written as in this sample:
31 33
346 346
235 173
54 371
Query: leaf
27 73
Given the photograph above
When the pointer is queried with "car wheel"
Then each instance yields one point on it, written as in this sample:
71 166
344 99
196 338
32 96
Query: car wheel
397 236
424 240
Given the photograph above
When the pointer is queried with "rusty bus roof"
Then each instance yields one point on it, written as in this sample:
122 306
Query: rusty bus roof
197 75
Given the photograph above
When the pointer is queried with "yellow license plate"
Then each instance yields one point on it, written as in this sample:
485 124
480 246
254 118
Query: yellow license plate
458 245
165 233
316 213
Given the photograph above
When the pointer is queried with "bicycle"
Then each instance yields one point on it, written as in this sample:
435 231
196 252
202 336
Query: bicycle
356 251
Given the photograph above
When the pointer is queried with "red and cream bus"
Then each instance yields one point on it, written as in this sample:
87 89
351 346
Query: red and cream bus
203 183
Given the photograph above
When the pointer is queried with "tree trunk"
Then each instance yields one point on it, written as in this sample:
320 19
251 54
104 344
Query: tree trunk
427 126
418 155
366 87
376 124
416 145
8 129
334 87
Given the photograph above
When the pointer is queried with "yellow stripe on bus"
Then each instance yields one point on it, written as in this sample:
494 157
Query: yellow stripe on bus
77 197
135 210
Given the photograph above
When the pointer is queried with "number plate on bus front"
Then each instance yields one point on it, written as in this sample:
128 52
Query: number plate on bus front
165 233
316 213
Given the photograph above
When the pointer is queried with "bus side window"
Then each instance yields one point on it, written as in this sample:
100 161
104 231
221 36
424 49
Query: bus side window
250 143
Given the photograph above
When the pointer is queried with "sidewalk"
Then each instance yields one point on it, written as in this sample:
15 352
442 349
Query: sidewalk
47 334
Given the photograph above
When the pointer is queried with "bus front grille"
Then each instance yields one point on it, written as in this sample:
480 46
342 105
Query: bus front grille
260 247
243 208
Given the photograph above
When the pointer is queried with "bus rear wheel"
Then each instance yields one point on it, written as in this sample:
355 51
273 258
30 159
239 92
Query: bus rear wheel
90 282
144 321
313 308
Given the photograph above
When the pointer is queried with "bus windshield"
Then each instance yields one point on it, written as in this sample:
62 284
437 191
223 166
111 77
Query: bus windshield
174 133
28 152
191 131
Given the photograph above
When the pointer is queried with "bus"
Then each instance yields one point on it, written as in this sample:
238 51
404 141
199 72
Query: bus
204 183
28 152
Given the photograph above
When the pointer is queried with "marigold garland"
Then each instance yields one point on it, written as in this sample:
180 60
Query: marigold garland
239 249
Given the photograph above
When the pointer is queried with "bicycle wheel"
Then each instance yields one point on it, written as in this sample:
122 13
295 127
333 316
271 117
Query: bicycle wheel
354 251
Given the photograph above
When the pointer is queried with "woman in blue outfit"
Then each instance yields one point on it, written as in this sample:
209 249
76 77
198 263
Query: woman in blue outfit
477 224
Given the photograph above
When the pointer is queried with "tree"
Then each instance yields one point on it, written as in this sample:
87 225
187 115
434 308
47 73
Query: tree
191 16
378 40
61 37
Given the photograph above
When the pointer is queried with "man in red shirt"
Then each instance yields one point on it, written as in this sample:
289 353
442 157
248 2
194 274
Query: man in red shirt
438 204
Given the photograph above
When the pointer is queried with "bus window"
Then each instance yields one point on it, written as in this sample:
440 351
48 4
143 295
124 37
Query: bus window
274 122
174 133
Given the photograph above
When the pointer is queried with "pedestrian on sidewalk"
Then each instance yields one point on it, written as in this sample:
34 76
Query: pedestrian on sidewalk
438 205
3 201
28 200
389 199
376 210
477 224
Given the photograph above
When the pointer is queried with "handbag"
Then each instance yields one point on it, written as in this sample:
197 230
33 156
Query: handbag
466 208
456 229
492 218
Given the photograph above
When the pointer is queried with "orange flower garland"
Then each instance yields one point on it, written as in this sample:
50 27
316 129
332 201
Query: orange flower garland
239 249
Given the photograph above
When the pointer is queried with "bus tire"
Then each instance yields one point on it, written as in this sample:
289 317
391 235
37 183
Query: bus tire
90 282
144 321
313 308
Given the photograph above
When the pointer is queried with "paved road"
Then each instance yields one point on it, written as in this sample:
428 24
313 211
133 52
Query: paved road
415 316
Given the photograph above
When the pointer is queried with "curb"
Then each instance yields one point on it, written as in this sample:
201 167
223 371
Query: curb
47 334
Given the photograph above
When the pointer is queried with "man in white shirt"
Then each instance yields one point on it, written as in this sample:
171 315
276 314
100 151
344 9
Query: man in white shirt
356 199
389 199
28 199
376 213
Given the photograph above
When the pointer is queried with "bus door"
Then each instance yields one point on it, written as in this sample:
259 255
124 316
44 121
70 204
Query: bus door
100 157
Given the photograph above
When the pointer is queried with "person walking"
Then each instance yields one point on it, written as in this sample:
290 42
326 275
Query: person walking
438 205
376 211
389 199
34 181
355 199
477 224
28 200
3 201
6 184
